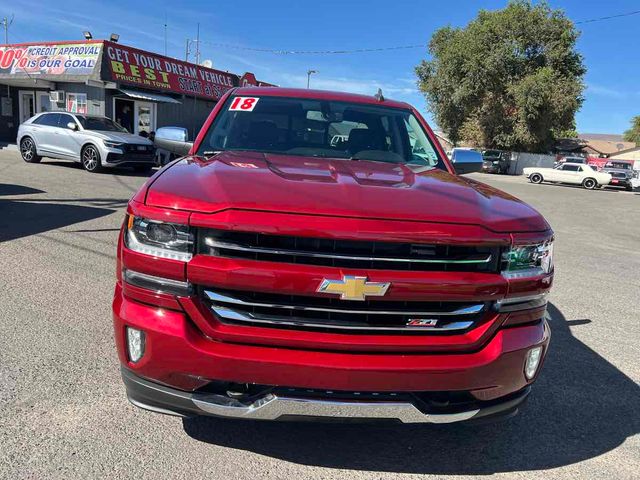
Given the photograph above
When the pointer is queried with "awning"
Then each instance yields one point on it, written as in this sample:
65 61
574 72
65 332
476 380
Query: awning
150 97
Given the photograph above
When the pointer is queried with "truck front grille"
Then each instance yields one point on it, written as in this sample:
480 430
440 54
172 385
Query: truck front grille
349 253
306 312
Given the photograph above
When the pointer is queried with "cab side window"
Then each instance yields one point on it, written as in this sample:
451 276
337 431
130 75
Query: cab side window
571 168
64 120
48 119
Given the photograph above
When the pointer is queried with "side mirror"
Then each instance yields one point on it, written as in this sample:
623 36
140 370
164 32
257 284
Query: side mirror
72 126
466 161
173 139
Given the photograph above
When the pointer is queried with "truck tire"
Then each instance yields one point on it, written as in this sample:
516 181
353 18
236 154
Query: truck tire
536 178
589 183
28 151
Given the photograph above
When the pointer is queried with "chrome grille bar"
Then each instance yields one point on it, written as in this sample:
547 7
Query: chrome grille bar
234 315
213 243
226 299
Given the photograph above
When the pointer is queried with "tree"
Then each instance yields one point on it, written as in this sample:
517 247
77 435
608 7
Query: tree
511 79
633 134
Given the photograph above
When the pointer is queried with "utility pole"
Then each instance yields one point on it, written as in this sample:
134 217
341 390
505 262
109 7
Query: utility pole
6 23
198 46
188 48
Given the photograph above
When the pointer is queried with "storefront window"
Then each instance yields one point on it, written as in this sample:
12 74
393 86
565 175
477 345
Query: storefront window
77 102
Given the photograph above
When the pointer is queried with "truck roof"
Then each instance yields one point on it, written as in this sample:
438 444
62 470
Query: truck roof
319 94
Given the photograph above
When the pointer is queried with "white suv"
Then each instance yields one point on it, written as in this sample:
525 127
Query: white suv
94 141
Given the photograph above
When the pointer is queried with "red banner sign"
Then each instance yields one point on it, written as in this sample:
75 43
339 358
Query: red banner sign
73 59
157 72
249 80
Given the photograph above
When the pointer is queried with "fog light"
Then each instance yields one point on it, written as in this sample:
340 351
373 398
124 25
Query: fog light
533 360
135 343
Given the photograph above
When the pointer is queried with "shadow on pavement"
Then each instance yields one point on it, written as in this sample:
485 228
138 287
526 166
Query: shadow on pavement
21 218
11 189
581 407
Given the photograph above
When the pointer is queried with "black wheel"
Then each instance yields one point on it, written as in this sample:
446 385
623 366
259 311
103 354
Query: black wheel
142 168
629 189
589 183
91 159
28 151
535 178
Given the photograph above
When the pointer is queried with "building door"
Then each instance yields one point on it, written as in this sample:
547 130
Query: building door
26 105
124 113
43 104
145 118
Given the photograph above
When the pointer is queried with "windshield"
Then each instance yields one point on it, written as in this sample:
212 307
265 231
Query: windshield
492 153
100 123
618 174
317 128
619 165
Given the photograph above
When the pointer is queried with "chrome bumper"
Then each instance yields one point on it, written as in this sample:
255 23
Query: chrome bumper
272 407
161 399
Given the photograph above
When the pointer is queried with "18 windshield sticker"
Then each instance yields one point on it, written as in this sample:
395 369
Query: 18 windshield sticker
243 104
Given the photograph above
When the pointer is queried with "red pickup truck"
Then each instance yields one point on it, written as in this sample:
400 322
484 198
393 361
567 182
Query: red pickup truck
276 272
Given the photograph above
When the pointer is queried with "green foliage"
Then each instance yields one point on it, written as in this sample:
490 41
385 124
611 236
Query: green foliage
633 134
511 79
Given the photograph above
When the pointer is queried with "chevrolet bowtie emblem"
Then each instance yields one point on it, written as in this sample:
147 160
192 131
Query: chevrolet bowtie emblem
354 288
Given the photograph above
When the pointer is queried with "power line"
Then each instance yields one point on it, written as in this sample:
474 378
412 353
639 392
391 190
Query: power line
311 52
277 51
628 14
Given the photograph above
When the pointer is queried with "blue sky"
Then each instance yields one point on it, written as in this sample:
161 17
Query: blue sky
609 47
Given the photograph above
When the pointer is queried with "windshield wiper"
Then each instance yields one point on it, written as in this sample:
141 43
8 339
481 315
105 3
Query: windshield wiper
208 154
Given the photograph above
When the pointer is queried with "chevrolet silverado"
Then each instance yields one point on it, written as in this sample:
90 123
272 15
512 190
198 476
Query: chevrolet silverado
275 272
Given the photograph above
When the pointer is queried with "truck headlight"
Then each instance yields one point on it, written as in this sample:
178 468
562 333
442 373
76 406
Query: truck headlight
159 239
110 144
522 261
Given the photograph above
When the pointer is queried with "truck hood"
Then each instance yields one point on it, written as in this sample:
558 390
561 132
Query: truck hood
334 187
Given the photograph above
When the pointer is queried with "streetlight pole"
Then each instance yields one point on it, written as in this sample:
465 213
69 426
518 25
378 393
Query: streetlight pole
309 73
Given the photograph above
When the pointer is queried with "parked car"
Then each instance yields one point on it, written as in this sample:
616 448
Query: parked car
94 141
620 178
570 173
495 161
270 274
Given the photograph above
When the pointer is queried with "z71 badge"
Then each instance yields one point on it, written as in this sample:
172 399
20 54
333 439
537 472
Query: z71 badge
422 322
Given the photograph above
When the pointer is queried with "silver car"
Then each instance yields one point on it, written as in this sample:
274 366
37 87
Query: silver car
96 142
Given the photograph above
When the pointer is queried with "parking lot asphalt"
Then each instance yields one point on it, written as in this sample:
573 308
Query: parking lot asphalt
63 411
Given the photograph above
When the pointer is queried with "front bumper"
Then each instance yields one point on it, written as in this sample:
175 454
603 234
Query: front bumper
179 362
162 399
128 157
488 167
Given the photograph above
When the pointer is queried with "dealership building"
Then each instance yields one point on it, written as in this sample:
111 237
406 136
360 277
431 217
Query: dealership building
140 90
